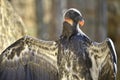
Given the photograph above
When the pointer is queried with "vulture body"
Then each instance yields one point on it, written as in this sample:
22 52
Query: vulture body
79 58
73 57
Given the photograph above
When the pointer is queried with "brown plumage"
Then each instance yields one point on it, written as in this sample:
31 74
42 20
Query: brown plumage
73 57
29 59
79 58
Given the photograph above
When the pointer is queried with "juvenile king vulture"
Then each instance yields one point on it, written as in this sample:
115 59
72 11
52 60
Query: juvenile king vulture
72 57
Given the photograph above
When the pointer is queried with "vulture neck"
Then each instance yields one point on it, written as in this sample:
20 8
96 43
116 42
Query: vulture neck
68 31
84 36
80 31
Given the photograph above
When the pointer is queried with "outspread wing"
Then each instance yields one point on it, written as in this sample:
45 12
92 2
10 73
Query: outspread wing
104 60
29 59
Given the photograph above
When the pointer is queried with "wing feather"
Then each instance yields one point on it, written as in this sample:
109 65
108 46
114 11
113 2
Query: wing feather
104 60
29 59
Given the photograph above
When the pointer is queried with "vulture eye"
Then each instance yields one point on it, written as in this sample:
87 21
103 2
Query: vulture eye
68 20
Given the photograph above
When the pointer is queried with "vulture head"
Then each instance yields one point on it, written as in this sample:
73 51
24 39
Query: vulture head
72 20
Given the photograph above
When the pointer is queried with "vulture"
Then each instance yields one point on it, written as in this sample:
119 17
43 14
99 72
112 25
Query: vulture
74 56
80 58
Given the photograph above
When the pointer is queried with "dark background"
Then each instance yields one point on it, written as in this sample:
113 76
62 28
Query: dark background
43 18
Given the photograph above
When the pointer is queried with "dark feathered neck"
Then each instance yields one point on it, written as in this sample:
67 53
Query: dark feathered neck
68 30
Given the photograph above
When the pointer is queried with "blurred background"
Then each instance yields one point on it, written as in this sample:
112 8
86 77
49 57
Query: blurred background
43 18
